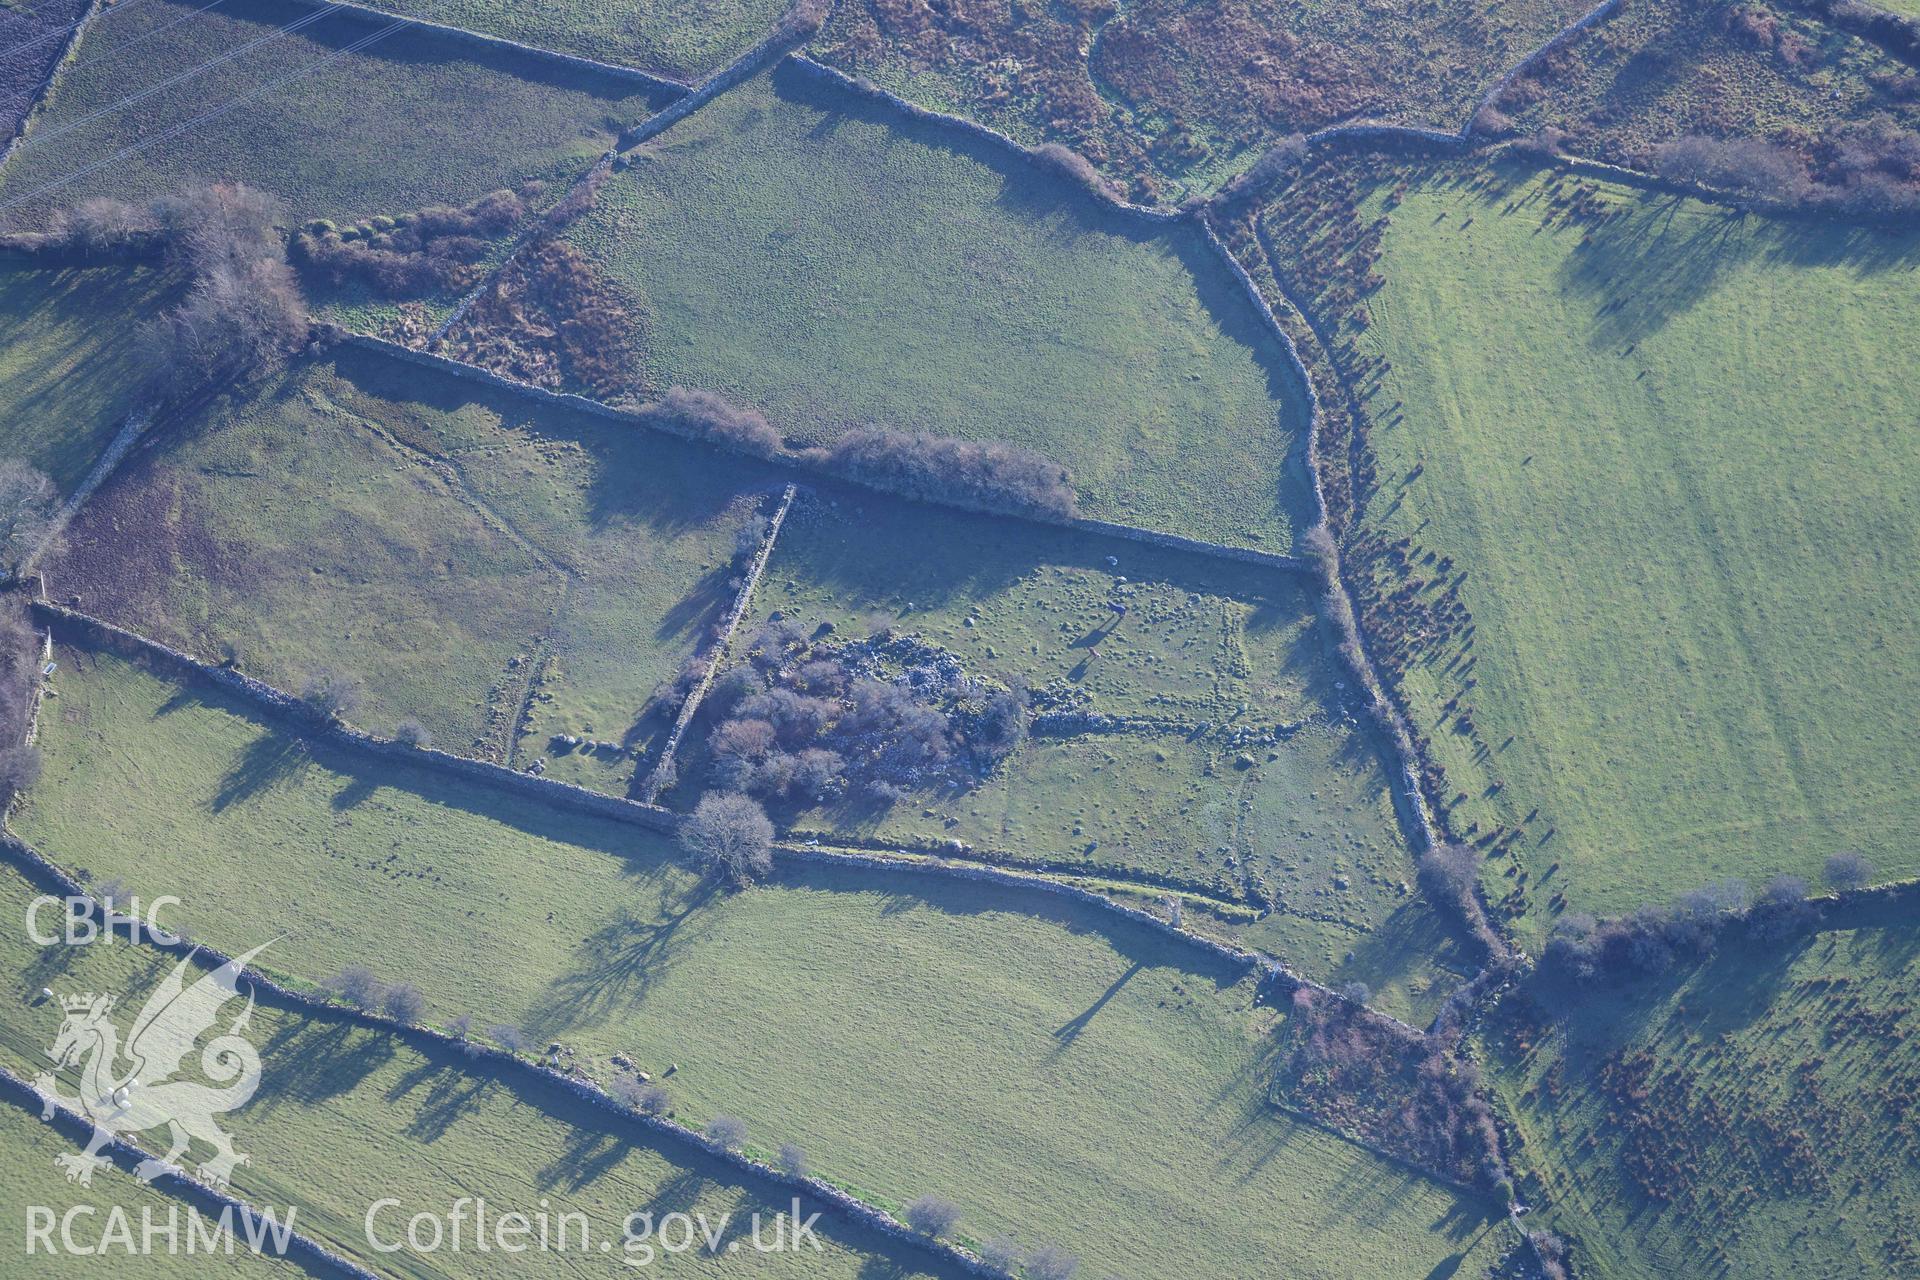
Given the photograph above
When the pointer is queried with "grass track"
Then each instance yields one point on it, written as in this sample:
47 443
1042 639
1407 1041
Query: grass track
912 1035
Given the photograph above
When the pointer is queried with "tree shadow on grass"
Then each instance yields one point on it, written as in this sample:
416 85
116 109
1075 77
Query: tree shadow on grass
587 1156
1654 265
703 605
313 1061
619 964
1070 1031
450 1094
262 764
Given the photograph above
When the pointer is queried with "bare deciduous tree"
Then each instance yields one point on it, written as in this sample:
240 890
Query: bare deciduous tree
1051 1262
727 1132
331 694
404 1003
1848 870
728 835
358 986
26 505
932 1215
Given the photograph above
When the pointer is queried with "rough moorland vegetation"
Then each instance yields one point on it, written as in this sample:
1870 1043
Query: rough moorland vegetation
1765 100
413 254
554 319
1751 1111
1388 1086
1169 101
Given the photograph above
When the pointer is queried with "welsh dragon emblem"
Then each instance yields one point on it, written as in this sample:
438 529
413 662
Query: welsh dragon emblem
135 1088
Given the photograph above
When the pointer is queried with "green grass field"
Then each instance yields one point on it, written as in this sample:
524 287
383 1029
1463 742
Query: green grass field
1751 1117
30 1181
1673 459
680 38
69 368
346 1117
835 265
441 543
377 131
1008 1047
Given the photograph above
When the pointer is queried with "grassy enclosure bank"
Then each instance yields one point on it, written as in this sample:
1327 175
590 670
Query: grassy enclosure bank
346 1116
457 552
377 131
836 264
1670 453
1008 1046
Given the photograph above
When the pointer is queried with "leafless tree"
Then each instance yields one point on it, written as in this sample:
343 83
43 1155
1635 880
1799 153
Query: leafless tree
728 835
331 694
1848 870
358 986
1051 1262
932 1215
26 505
727 1132
404 1003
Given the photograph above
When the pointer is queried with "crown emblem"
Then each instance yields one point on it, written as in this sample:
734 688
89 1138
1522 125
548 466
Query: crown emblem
82 1003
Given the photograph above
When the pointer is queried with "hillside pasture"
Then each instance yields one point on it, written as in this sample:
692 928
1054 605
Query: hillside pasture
347 1116
834 264
333 132
1751 1116
681 39
459 553
1010 1046
70 368
1664 456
